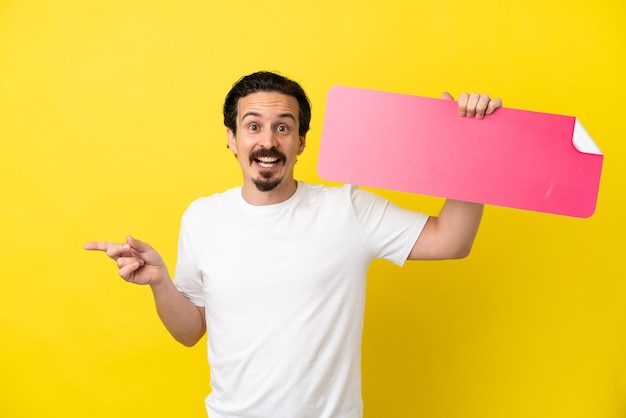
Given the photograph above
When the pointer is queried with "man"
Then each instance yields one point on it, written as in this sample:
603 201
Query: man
275 269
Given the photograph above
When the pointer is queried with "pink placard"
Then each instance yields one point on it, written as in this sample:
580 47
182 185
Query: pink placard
513 158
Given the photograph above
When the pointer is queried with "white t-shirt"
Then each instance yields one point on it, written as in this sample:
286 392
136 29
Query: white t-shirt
284 288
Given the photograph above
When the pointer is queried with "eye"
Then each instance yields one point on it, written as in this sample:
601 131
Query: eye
282 129
253 127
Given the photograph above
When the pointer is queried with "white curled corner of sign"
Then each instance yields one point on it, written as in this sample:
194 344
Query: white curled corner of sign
582 140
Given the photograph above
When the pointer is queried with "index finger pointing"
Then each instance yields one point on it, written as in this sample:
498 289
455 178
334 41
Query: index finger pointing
97 246
112 249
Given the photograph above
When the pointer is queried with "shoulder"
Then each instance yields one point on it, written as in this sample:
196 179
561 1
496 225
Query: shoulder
216 202
347 194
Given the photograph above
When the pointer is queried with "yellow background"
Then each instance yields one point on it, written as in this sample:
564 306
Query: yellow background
110 124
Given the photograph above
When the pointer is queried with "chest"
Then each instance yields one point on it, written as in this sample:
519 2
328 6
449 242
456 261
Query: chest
298 252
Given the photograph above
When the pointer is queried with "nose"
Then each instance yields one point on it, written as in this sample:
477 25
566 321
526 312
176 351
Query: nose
268 139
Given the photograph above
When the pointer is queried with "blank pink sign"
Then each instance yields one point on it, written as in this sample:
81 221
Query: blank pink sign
513 158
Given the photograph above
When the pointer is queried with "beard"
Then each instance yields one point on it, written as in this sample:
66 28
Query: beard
266 180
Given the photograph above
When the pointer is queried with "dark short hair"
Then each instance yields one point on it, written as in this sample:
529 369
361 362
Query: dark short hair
266 81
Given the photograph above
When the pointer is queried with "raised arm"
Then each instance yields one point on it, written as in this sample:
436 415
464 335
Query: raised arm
139 263
451 234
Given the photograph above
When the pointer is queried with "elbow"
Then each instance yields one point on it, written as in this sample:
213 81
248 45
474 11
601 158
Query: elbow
189 329
463 248
188 341
188 344
188 337
462 255
461 252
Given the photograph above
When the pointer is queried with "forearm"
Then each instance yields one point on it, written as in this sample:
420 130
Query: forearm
181 317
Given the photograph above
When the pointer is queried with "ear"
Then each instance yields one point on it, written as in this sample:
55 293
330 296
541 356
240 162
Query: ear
232 140
302 144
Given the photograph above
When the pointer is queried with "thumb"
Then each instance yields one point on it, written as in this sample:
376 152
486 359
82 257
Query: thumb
446 96
137 245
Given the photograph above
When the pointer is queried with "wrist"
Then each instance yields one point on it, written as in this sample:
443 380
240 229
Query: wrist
161 282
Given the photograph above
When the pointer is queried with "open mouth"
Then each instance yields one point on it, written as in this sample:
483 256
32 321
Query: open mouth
267 158
267 162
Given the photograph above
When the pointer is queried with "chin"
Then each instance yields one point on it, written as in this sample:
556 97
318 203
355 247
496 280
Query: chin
267 185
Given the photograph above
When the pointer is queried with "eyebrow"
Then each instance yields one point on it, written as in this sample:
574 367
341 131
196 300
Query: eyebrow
258 115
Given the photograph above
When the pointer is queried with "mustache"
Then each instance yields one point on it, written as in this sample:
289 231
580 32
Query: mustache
267 153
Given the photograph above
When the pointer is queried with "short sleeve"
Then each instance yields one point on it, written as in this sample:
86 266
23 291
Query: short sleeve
388 230
187 276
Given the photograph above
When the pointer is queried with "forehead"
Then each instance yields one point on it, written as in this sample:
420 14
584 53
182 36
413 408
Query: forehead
268 104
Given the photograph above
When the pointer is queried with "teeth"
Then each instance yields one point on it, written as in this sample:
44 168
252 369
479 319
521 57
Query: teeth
267 162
